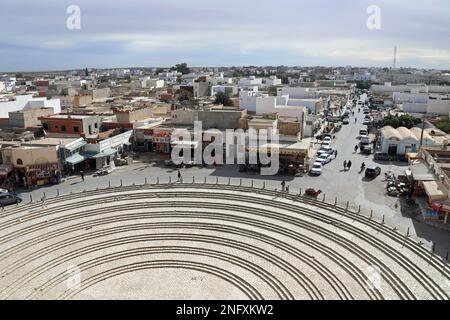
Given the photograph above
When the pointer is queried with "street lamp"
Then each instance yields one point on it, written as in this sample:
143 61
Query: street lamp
423 129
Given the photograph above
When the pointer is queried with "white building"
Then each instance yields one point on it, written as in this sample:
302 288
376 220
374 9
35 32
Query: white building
169 77
152 83
401 97
221 80
230 90
272 81
250 81
298 92
366 76
401 141
122 73
248 98
21 102
9 84
295 81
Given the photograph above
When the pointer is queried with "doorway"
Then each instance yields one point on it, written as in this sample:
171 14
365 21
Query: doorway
392 151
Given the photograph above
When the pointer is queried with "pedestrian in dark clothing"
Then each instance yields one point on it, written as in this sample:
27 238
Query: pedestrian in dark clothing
335 154
349 164
345 164
283 184
179 175
356 148
82 175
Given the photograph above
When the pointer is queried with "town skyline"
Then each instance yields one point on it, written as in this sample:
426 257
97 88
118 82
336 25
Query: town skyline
222 33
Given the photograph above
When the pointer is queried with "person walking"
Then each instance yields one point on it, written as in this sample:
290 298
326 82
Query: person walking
356 120
43 201
349 164
356 148
287 189
335 154
82 175
345 165
283 184
179 176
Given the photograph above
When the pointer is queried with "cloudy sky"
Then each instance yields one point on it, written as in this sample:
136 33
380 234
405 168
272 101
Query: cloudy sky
34 36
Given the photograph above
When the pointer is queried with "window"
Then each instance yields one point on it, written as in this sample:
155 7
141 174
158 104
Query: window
96 125
45 126
63 128
76 129
19 162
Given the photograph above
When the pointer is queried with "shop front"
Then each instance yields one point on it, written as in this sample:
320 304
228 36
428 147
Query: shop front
97 160
161 141
6 175
43 174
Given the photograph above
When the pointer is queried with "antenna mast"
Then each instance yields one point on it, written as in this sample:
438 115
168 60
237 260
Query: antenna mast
395 58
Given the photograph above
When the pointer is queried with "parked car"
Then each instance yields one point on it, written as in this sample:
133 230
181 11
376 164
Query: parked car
8 199
346 121
366 149
372 172
316 169
327 135
326 143
327 138
363 132
383 156
364 140
324 158
366 121
324 149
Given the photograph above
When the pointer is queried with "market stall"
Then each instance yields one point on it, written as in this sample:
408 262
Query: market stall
6 172
42 174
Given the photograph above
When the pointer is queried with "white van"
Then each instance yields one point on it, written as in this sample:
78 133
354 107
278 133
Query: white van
365 140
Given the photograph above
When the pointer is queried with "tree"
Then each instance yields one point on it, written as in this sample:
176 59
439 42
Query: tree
272 90
396 121
444 125
185 95
181 67
159 70
223 98
236 74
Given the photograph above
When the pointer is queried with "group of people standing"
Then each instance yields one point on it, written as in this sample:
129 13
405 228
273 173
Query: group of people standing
347 165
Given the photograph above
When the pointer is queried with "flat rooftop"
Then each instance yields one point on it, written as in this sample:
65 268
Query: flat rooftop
65 116
49 142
